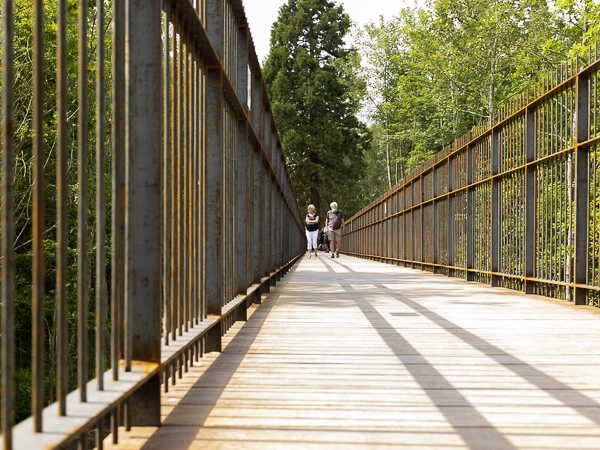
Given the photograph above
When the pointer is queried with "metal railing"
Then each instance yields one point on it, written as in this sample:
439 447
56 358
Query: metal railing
203 216
514 205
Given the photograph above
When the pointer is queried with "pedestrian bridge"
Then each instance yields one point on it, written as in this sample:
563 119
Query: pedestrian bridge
157 295
351 353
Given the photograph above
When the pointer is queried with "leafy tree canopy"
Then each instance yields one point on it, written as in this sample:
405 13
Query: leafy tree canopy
311 84
433 73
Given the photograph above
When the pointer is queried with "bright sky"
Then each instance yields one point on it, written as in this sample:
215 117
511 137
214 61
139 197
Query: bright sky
262 13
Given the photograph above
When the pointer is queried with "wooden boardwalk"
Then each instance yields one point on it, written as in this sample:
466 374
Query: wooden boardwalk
349 353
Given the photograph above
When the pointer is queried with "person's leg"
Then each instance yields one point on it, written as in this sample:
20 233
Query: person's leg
336 237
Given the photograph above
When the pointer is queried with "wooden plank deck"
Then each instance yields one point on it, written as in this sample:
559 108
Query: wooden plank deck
349 353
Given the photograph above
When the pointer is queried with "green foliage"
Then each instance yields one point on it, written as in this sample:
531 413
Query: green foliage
433 73
311 84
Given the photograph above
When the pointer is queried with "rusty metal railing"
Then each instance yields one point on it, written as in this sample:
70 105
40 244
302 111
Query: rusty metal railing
514 205
203 215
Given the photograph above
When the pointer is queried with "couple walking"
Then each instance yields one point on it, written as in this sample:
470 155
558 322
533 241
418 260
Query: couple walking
334 223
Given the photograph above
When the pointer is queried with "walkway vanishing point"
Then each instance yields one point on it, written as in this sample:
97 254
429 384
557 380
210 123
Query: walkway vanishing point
350 353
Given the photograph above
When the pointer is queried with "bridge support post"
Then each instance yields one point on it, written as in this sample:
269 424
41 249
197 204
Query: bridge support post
257 182
214 202
243 222
470 212
581 189
496 210
259 207
436 231
272 235
266 211
422 214
413 234
143 202
529 200
215 187
450 240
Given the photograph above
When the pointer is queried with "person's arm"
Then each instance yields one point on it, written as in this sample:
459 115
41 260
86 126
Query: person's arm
327 222
343 225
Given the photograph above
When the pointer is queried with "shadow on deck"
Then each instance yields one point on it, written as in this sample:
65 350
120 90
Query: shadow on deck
348 353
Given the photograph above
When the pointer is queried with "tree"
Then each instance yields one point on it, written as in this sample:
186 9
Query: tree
309 83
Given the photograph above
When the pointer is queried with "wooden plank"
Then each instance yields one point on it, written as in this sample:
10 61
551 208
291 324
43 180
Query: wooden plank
350 353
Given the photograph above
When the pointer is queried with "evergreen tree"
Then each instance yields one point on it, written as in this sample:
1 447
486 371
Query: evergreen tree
310 86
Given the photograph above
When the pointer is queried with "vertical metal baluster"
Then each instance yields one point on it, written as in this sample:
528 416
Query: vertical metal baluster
555 217
174 162
562 115
166 181
114 424
192 186
100 431
202 167
564 219
195 185
127 413
594 124
537 202
595 209
545 216
188 186
556 104
542 197
183 199
180 182
100 201
593 158
8 233
82 146
37 344
61 192
82 441
195 175
562 213
200 190
118 189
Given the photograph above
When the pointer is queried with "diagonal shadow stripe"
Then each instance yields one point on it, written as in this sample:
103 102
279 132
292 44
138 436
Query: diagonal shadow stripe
565 394
213 381
480 434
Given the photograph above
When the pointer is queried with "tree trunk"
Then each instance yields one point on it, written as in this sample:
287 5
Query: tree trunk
396 162
492 90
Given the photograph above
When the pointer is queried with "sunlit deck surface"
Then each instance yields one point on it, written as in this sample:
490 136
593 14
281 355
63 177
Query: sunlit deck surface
349 353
